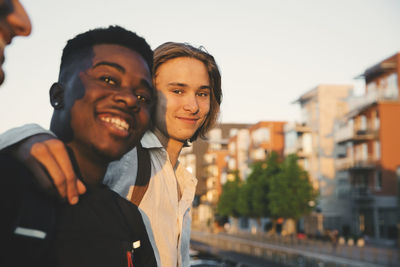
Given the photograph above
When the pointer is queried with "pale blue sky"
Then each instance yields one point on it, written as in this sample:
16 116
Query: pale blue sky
269 52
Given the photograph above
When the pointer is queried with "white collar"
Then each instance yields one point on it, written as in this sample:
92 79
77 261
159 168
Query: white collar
150 140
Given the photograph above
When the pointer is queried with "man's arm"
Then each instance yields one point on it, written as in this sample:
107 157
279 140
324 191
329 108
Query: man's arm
46 157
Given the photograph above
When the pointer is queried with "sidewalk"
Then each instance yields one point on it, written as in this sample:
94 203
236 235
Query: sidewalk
294 250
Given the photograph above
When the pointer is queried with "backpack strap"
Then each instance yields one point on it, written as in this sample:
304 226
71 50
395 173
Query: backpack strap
143 175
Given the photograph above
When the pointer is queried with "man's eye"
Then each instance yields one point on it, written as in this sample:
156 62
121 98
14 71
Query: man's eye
203 94
109 80
177 91
142 98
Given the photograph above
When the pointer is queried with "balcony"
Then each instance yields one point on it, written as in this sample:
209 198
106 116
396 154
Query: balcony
357 104
355 164
361 193
300 128
364 164
343 163
348 133
365 134
301 153
297 127
343 134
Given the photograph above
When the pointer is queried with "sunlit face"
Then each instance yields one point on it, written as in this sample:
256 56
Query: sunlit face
183 89
109 101
13 22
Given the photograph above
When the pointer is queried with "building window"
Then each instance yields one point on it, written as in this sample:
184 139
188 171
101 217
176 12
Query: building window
364 151
378 180
371 87
366 222
215 146
363 123
376 121
307 143
290 142
391 91
306 165
215 137
387 223
377 150
260 136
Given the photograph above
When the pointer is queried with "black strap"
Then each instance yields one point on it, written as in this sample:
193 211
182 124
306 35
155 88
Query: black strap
143 175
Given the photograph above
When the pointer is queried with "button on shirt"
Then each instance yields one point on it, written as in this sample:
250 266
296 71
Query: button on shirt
167 219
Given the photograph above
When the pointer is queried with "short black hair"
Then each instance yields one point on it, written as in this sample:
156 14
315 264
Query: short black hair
111 35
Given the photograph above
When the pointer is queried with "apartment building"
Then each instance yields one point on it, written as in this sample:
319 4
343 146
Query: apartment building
312 141
368 154
265 137
207 160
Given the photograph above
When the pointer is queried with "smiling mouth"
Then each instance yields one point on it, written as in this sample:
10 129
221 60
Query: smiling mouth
188 120
116 122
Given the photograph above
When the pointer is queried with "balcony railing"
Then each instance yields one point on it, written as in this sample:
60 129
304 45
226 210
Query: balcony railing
343 134
344 163
354 164
367 163
361 193
358 103
365 134
353 134
300 128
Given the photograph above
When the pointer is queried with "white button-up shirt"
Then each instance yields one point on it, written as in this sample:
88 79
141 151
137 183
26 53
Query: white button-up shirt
167 219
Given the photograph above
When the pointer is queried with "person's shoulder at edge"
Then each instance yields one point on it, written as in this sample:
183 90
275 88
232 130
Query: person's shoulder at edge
17 134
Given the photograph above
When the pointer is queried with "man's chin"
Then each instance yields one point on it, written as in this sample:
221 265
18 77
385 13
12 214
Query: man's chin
112 154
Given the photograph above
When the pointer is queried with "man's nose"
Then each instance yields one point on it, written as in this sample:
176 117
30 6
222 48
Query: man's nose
191 104
19 20
128 98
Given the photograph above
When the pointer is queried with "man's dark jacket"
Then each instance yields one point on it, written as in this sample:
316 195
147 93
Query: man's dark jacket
38 230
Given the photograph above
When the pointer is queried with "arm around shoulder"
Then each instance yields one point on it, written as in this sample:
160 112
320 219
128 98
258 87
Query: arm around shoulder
15 135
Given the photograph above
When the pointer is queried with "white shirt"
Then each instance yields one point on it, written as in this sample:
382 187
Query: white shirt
167 219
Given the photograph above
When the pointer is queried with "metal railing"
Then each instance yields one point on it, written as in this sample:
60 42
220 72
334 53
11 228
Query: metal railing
292 251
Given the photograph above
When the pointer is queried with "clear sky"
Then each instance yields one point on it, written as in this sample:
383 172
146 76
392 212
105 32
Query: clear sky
269 52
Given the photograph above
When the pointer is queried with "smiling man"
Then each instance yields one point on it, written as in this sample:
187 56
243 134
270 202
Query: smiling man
13 22
188 84
102 107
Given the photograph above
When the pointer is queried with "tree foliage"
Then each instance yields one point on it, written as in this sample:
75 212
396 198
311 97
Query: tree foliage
272 189
290 191
253 197
227 204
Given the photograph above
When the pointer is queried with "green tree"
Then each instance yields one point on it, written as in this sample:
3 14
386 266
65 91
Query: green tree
227 204
260 177
244 203
253 196
290 191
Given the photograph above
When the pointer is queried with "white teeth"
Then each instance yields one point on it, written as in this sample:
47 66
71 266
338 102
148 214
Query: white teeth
117 122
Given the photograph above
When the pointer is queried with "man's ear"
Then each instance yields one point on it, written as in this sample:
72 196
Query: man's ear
57 96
